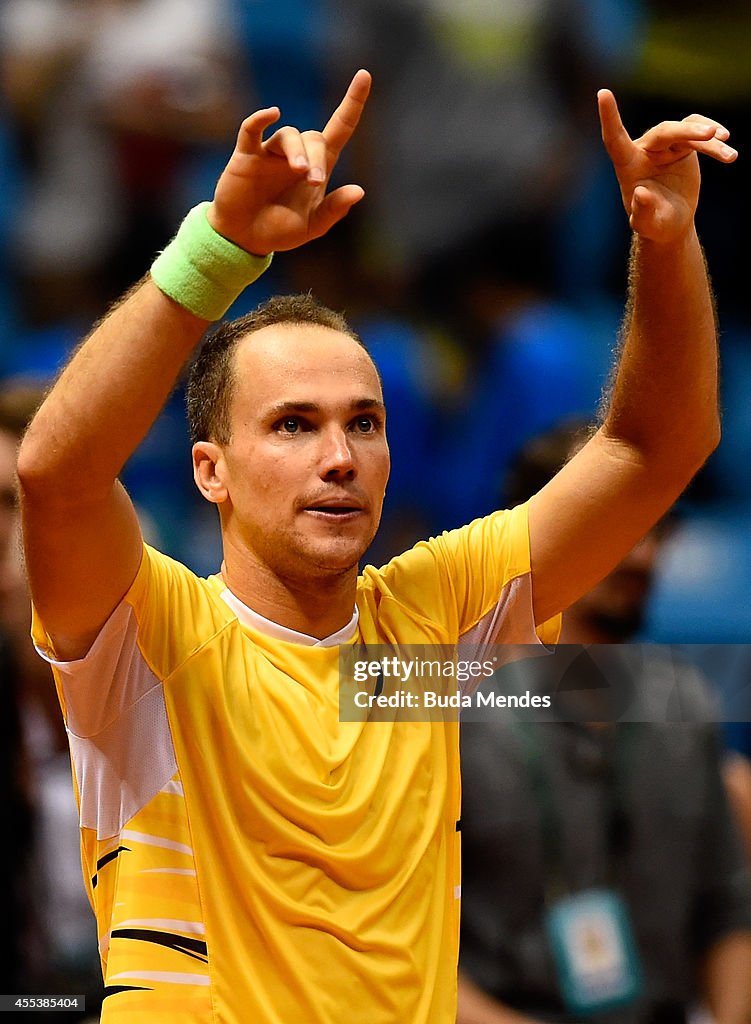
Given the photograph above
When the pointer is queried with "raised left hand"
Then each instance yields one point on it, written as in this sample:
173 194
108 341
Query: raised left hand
658 173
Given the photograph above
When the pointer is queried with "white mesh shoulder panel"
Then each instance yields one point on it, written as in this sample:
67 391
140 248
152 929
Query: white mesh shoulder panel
118 729
509 627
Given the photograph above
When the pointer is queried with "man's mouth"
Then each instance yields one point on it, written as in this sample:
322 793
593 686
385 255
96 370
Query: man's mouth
331 511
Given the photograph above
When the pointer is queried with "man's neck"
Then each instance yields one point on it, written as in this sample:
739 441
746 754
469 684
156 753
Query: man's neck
316 606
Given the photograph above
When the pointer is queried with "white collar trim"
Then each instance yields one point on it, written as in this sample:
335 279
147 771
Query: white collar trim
248 617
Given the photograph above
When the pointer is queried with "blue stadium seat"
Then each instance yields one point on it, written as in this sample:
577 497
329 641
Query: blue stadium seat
701 593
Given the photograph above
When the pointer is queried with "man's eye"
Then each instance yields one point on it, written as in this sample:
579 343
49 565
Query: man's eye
290 425
365 424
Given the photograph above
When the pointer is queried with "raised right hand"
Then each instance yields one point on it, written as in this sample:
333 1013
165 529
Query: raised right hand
272 196
658 173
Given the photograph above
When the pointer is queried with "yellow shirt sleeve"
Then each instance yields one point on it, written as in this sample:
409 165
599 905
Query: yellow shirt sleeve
460 577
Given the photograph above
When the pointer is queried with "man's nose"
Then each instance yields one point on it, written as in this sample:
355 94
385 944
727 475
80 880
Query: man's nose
336 456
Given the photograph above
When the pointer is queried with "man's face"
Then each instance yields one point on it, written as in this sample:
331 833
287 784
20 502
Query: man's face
306 468
617 604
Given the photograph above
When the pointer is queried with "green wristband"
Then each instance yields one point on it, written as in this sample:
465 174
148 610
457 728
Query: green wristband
203 271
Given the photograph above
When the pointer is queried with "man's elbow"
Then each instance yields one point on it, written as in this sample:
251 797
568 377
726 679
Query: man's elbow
41 474
30 469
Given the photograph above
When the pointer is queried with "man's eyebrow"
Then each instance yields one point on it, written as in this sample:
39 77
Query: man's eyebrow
288 408
368 403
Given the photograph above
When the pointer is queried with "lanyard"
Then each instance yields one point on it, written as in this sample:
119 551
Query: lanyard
613 773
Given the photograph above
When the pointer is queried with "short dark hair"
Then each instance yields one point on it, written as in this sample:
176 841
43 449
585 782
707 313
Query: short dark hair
542 456
19 400
211 380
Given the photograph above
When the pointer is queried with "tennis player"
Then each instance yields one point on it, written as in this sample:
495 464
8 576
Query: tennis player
249 856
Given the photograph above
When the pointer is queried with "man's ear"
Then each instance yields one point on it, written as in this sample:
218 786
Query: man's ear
209 470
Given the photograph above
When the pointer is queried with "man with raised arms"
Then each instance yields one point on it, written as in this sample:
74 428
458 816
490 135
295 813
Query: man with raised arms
250 857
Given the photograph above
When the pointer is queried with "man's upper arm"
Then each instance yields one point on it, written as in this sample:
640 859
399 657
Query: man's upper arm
589 516
81 561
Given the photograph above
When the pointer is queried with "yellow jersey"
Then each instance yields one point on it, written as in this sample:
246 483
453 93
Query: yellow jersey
249 856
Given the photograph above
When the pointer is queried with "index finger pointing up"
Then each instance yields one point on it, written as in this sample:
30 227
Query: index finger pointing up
344 120
617 140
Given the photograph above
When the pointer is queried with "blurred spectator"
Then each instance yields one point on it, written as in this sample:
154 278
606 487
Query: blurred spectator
52 944
561 818
477 245
728 668
18 402
510 87
525 360
109 100
695 60
116 109
14 782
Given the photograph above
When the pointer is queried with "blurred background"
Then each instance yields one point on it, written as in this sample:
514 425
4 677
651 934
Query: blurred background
485 270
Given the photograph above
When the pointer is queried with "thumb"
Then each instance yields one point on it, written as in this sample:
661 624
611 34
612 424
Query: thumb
642 205
334 207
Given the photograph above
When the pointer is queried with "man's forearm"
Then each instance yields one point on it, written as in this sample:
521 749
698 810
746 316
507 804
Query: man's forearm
664 403
727 979
663 410
109 395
